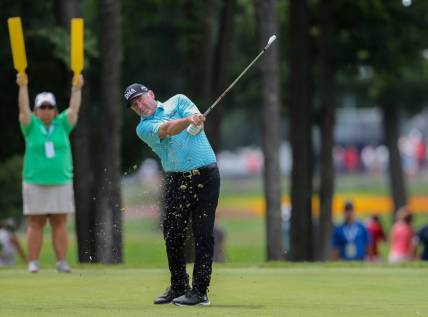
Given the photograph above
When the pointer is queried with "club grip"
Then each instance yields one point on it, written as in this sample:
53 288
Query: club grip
193 129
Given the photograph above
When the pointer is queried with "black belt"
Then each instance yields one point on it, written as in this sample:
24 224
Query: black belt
195 171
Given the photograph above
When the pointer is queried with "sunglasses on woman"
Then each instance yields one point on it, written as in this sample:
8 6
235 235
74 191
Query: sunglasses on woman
43 107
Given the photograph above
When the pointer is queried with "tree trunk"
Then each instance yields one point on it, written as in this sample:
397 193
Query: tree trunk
84 179
200 33
391 128
209 56
328 114
200 59
220 70
300 133
65 10
108 219
266 20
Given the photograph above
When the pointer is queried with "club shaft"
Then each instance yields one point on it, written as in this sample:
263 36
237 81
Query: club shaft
234 82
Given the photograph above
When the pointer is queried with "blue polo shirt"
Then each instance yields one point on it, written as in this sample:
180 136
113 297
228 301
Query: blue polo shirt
181 152
351 241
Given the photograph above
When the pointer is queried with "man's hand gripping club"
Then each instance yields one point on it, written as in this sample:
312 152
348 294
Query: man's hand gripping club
174 127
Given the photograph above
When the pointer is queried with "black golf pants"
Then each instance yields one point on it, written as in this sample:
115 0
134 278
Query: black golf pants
191 196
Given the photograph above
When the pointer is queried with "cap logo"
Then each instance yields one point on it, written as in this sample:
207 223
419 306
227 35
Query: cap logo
129 93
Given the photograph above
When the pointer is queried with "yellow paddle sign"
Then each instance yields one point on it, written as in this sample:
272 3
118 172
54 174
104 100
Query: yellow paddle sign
17 44
76 51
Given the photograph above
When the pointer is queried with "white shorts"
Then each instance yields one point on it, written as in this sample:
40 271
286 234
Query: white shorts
48 199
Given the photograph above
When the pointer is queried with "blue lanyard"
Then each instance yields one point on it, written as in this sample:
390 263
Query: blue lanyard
350 232
47 132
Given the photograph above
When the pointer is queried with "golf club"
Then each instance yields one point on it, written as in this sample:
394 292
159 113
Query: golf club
194 129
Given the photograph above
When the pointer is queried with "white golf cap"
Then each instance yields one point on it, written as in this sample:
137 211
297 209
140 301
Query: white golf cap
44 98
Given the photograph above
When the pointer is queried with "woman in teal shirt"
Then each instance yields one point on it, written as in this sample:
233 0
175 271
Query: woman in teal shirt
48 169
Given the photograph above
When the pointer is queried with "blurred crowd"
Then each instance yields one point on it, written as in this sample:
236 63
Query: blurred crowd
374 158
348 158
356 241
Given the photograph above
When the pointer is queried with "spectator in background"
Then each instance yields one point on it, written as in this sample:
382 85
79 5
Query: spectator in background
351 159
421 150
402 247
47 186
422 239
285 226
9 244
377 234
369 159
350 240
338 157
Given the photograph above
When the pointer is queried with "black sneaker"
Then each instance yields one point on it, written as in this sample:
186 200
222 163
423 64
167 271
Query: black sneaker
168 296
191 298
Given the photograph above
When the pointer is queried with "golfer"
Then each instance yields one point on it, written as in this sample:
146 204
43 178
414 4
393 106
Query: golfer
192 187
48 169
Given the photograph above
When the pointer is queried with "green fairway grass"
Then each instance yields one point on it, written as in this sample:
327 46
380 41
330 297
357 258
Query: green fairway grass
246 285
144 246
290 290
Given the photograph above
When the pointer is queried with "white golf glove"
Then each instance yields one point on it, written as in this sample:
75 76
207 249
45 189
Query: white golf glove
193 129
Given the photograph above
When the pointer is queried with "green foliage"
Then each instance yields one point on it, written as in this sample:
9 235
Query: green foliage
59 38
10 188
387 39
383 37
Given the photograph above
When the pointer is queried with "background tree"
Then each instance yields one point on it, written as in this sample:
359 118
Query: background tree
84 179
220 68
386 46
108 217
187 47
265 12
210 43
327 97
300 113
200 26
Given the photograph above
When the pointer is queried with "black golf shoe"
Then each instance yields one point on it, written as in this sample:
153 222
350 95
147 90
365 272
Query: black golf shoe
168 296
191 298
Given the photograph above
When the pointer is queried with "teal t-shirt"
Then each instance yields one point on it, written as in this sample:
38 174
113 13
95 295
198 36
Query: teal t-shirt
48 158
181 152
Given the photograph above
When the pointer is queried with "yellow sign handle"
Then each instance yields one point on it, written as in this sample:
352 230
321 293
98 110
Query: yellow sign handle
17 44
76 57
